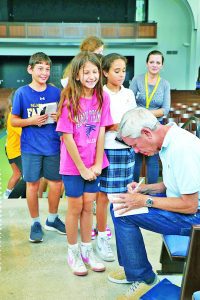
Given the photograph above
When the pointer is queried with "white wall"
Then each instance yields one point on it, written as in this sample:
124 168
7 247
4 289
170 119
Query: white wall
195 43
195 8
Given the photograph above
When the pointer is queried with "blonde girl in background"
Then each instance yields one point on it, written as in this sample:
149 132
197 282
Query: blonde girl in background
92 44
84 112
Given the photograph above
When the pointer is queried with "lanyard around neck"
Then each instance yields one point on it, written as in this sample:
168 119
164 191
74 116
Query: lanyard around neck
149 97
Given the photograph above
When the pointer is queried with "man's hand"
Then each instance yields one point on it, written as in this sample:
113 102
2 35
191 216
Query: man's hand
133 187
127 202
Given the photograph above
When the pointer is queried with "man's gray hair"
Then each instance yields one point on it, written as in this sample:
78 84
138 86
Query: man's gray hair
134 120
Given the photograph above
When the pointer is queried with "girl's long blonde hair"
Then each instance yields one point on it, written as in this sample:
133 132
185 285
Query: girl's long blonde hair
74 89
91 43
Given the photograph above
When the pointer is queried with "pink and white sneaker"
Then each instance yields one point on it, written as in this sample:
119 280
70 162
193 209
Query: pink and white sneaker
93 233
90 259
75 262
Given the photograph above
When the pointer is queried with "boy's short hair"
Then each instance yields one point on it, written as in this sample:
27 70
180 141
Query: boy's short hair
39 57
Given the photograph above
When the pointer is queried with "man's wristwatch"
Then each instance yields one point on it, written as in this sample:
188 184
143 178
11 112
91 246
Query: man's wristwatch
149 202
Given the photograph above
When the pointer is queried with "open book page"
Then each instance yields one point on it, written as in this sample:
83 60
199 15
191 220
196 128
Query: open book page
141 210
49 108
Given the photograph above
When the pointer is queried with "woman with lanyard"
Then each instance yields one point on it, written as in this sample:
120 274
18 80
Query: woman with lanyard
153 92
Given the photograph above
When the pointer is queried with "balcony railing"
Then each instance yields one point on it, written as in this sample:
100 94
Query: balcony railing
78 30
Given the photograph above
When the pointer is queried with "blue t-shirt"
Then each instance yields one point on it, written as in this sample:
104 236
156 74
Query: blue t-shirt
27 102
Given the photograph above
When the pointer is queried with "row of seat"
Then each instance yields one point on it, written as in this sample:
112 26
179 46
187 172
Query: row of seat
184 106
180 113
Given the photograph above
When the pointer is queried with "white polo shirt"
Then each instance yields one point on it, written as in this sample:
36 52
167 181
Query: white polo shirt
180 156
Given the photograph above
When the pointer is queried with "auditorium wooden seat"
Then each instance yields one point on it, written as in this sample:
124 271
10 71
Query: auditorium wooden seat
171 111
177 115
195 104
190 110
197 113
184 117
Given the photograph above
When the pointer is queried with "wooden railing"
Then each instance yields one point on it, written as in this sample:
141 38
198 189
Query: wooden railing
78 30
185 96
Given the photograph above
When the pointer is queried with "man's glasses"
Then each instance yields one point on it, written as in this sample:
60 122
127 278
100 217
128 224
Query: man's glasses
121 141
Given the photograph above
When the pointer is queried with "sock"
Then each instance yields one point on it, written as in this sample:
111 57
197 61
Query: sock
37 219
7 192
150 280
102 234
52 217
86 244
73 247
84 247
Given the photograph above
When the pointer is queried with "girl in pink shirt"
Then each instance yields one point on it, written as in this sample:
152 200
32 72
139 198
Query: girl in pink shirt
84 112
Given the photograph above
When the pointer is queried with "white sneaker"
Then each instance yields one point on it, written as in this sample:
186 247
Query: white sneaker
91 260
75 262
6 194
104 249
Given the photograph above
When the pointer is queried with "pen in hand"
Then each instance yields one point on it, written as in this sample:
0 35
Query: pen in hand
140 182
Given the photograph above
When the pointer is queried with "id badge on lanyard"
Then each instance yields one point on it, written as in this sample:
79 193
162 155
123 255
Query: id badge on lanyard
149 97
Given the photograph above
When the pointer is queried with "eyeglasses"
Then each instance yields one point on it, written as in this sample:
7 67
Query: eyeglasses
121 141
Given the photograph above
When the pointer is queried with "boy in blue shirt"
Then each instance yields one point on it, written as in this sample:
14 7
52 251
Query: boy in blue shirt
34 109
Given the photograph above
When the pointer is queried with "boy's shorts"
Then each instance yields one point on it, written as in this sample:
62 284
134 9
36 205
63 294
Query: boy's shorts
76 186
36 166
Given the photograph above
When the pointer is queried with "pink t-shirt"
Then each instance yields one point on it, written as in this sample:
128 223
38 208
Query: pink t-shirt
85 132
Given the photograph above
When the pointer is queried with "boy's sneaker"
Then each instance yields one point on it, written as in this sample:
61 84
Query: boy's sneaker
93 233
36 235
137 289
104 249
109 233
57 225
6 194
91 260
76 263
118 276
